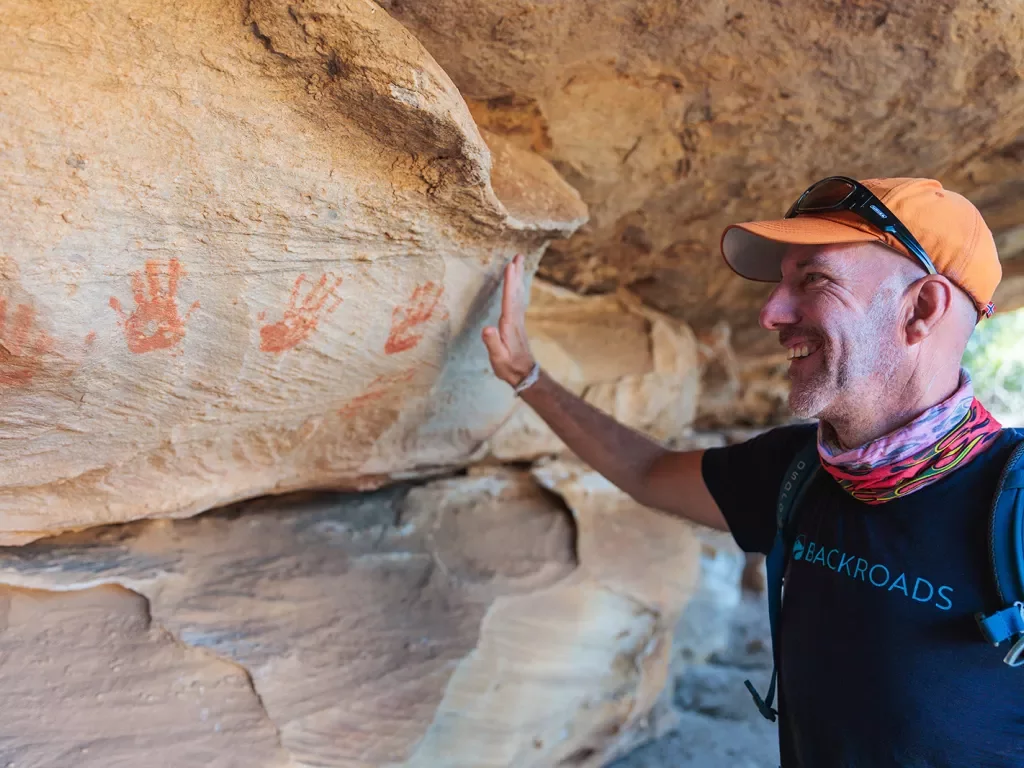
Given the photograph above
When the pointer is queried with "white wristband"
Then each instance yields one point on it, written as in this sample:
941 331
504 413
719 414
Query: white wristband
529 381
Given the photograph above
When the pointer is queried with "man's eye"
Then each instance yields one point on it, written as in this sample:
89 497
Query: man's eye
813 277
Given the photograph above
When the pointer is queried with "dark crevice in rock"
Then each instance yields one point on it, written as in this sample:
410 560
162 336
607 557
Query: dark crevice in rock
267 42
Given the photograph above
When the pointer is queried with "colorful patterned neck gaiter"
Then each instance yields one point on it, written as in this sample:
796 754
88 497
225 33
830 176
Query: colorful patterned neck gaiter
943 438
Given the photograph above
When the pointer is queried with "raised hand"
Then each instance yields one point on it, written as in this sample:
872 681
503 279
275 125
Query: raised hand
508 345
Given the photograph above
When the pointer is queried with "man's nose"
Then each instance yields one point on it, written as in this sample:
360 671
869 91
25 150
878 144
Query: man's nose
780 309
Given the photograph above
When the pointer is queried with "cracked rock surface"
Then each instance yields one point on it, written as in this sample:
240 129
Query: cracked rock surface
90 681
466 622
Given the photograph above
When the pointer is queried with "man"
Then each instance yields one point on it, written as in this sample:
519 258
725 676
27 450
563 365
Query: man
881 661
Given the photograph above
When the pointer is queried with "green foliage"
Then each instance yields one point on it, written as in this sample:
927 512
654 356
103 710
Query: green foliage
995 359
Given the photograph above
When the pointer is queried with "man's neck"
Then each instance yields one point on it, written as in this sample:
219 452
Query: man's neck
893 406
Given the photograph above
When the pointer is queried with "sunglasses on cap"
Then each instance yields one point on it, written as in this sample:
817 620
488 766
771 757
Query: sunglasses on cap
840 193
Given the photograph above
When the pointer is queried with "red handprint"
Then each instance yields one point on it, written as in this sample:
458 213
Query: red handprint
300 319
382 385
21 345
406 321
155 323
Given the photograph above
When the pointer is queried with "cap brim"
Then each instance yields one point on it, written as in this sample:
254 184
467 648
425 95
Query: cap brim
755 249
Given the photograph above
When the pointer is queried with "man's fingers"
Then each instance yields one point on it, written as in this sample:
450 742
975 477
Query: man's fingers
507 342
519 269
511 335
496 347
508 290
514 304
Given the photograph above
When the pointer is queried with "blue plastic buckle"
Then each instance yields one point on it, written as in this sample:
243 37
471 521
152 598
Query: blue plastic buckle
1003 624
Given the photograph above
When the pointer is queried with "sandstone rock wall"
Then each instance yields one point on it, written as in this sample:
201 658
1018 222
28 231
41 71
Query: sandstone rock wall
674 119
466 622
247 248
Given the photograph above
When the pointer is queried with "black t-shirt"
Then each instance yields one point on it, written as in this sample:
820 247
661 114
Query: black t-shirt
882 663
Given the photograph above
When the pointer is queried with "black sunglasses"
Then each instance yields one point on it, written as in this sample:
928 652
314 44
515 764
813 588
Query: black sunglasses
841 193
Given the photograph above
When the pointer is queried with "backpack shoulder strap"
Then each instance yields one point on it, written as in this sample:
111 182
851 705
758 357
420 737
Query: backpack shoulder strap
801 470
795 482
1006 557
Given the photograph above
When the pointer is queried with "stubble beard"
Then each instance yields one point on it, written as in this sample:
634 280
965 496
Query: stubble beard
840 390
809 397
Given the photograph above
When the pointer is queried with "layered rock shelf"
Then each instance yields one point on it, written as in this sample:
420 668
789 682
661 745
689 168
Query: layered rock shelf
472 621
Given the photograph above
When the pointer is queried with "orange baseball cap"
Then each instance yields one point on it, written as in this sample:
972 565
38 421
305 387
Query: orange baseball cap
946 224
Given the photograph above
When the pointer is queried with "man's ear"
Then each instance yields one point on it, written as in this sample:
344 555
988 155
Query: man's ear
931 299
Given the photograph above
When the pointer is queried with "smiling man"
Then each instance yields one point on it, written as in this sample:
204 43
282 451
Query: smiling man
879 285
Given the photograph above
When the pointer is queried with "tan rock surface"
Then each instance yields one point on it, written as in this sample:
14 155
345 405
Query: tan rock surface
634 363
90 682
246 247
675 119
467 622
736 389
